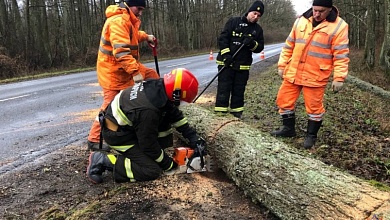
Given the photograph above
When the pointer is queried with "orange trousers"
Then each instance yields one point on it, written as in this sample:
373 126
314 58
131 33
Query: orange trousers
108 96
313 98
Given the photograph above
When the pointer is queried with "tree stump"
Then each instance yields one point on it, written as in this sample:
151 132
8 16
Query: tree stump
290 184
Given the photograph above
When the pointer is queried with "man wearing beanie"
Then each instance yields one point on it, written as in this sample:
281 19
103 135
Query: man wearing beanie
316 46
240 37
118 63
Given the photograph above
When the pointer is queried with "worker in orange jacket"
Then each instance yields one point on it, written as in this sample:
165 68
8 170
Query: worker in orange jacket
316 46
118 63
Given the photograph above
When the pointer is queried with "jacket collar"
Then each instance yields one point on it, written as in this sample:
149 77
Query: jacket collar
122 5
245 20
155 92
136 21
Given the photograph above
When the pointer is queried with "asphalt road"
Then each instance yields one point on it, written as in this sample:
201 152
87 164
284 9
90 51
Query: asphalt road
40 116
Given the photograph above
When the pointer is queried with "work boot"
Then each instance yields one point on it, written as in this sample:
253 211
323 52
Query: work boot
236 114
311 135
98 163
288 127
94 146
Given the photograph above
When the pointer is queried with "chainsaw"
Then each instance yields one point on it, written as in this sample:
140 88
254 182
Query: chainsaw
192 160
189 161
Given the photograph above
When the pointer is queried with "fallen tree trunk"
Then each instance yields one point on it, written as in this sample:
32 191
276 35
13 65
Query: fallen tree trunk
368 87
290 184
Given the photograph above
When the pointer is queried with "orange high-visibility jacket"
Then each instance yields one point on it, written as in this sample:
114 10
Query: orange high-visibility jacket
311 54
118 54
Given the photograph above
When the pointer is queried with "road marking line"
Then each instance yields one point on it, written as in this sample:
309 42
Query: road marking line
16 97
179 64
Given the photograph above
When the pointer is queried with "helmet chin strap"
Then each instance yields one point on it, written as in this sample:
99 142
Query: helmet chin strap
176 96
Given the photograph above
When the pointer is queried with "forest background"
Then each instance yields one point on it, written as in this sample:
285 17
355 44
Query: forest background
49 35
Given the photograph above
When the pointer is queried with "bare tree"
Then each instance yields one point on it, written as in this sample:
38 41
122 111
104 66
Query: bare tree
385 50
4 34
369 48
57 33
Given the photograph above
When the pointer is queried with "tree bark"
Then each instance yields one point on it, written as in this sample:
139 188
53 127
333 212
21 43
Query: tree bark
3 23
291 184
369 47
385 50
369 87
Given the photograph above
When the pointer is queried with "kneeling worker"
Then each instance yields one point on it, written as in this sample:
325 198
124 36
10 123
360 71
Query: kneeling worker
138 124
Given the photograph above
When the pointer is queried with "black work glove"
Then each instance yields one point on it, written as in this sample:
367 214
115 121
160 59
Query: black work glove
174 165
249 41
167 163
199 147
199 151
227 59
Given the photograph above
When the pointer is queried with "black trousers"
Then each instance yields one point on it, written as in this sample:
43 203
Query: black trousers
231 87
133 164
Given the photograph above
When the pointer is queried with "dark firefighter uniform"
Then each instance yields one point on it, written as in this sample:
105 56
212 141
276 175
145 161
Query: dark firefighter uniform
232 79
139 123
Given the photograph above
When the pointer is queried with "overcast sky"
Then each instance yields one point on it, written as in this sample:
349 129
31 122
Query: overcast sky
301 6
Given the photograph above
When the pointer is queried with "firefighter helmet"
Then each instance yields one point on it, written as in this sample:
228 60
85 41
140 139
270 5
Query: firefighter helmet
181 85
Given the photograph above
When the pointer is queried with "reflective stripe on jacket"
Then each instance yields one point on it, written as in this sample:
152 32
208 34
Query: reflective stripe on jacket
146 113
119 50
231 38
311 54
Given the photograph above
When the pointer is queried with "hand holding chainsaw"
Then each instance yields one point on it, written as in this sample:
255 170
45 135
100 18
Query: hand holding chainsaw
199 145
191 159
199 148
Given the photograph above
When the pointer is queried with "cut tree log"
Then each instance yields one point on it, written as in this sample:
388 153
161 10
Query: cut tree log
290 184
366 86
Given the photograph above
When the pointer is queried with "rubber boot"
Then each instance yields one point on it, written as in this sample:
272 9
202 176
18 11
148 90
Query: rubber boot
98 163
311 137
236 114
288 127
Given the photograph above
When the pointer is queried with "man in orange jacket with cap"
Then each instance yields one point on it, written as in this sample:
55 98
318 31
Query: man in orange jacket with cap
118 63
316 46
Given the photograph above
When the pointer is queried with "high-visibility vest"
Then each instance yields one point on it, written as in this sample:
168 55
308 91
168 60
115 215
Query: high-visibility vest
118 53
311 54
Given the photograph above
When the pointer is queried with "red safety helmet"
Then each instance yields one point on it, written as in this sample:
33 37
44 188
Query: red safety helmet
181 85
